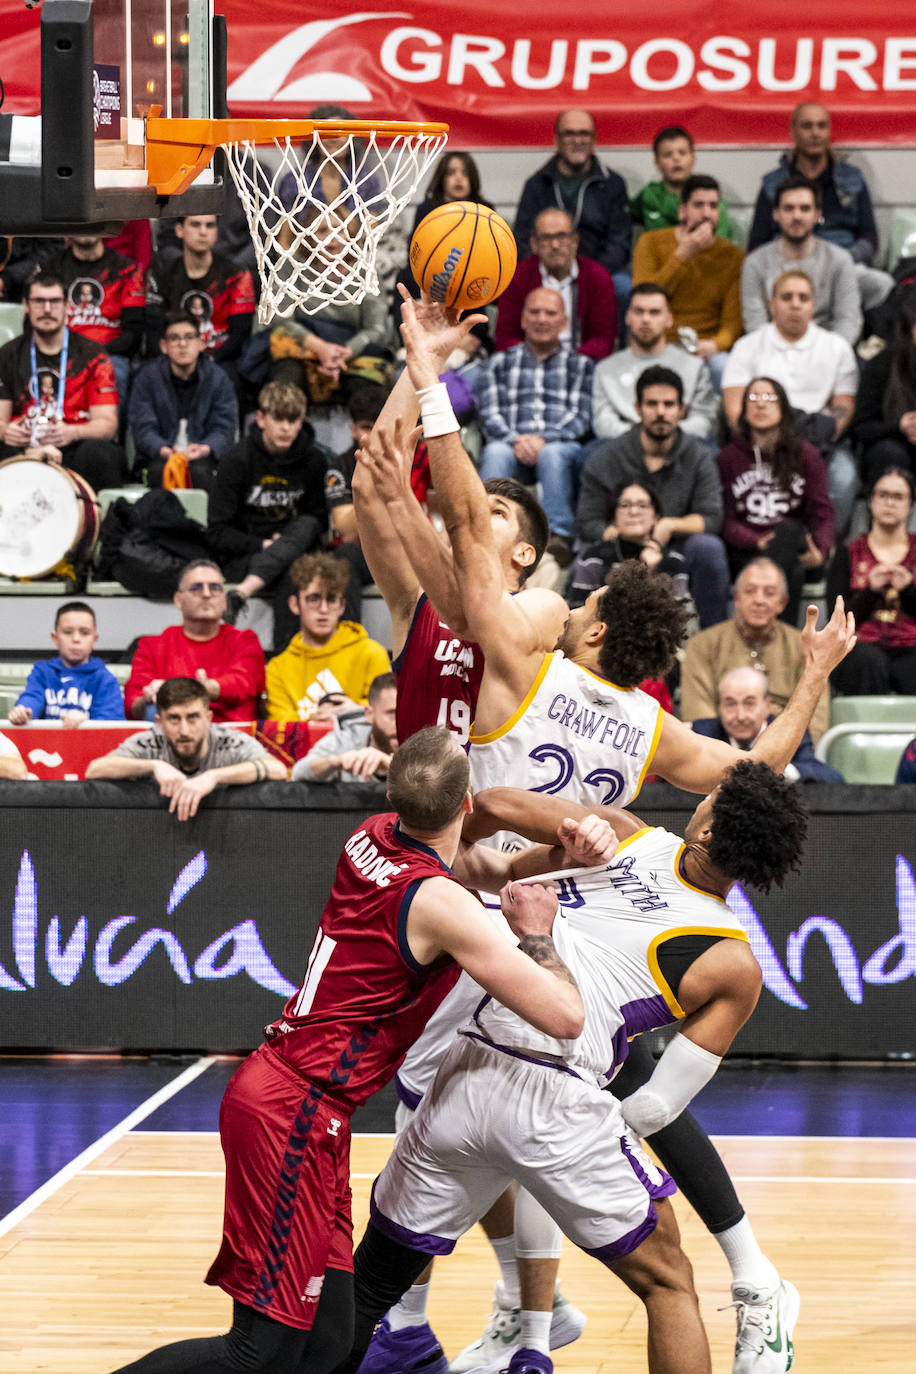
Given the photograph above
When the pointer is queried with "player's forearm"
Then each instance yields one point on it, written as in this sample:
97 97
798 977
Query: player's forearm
264 769
782 736
543 951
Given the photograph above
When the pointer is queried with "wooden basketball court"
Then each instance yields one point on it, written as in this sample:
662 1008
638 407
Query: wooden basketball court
109 1264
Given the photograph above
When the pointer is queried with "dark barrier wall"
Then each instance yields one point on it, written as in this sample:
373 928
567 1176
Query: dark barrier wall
121 927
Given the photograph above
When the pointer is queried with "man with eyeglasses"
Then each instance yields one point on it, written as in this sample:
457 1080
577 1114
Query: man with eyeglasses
586 288
329 665
182 402
594 197
58 396
229 663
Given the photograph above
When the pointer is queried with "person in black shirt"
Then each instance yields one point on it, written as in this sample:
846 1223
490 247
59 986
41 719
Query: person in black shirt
217 292
183 403
365 407
106 300
267 507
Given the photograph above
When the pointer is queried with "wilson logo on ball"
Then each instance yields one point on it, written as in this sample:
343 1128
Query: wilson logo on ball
463 254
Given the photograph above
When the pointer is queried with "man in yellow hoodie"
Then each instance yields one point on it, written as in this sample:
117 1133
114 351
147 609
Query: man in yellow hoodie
328 666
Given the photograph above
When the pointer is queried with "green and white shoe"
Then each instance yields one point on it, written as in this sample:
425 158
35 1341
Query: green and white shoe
766 1320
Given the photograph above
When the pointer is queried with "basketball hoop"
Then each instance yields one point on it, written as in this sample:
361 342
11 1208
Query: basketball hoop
316 220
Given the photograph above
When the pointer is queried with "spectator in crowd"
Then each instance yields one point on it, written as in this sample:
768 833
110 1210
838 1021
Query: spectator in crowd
359 747
228 662
685 477
756 638
906 770
818 372
744 714
12 764
585 286
267 507
183 404
774 486
534 403
847 217
209 286
106 301
884 422
874 574
58 396
701 272
185 753
636 510
335 350
594 196
648 321
365 408
797 213
74 686
329 664
657 205
22 258
456 176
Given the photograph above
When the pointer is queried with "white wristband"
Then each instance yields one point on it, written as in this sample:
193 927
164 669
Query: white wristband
436 411
680 1073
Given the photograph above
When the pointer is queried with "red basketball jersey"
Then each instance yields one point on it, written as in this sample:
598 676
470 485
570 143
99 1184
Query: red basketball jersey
438 676
364 998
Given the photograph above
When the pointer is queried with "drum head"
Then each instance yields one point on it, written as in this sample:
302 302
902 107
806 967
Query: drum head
43 516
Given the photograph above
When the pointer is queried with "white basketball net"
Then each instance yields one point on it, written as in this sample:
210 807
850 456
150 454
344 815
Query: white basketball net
339 195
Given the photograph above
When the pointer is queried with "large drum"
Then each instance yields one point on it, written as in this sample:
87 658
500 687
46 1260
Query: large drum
47 514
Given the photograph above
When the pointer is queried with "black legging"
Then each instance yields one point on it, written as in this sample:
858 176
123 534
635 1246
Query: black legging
685 1150
256 1344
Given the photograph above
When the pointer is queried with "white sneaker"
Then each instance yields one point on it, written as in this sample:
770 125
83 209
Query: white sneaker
502 1334
766 1319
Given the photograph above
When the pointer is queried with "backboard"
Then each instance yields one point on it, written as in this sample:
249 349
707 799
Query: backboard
105 65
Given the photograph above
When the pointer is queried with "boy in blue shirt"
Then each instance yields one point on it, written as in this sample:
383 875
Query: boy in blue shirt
73 687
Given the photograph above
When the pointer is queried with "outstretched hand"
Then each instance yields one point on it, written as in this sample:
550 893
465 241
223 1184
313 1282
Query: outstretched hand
387 455
824 649
430 333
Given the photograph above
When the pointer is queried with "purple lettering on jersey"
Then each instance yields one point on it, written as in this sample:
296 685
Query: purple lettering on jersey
635 742
610 725
620 739
569 712
554 710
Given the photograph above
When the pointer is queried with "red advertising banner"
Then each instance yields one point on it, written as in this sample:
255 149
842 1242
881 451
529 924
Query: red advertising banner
730 73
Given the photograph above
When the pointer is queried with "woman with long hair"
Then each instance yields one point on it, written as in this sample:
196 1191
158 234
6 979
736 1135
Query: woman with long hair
455 177
774 488
875 574
637 509
884 422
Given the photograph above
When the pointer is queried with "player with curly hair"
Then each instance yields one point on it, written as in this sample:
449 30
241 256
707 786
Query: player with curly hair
653 942
572 723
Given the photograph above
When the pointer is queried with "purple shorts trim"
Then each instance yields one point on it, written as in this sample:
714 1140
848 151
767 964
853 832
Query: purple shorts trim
646 1013
663 1189
628 1243
517 1054
407 1095
414 1240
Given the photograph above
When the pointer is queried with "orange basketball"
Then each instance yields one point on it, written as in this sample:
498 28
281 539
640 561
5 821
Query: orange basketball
463 254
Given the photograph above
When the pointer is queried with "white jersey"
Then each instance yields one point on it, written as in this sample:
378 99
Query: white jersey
574 735
611 923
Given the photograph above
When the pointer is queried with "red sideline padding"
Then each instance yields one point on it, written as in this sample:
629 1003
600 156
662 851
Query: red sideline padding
50 751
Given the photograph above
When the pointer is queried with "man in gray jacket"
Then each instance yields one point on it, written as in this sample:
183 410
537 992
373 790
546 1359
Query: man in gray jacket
360 746
681 472
648 320
797 212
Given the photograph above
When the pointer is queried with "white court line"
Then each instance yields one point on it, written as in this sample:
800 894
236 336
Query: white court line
99 1146
736 1178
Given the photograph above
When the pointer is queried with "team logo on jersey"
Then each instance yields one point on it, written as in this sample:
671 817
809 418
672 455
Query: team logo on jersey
313 1288
334 1127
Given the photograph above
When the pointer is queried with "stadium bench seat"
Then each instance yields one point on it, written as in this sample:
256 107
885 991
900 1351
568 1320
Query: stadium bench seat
866 751
11 316
877 710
